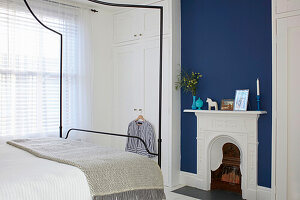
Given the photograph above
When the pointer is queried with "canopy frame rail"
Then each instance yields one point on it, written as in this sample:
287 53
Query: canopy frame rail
160 8
112 134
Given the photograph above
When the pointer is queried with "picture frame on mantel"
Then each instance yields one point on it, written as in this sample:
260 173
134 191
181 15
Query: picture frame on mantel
227 104
241 100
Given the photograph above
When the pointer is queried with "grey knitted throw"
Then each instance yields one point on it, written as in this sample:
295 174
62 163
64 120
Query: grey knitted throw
111 174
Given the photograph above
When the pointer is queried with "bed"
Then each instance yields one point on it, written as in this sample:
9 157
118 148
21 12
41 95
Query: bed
43 174
29 171
25 176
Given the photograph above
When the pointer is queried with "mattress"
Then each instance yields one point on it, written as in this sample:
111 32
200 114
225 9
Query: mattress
26 177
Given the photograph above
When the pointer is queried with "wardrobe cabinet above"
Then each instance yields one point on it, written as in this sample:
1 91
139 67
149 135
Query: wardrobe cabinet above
139 24
125 27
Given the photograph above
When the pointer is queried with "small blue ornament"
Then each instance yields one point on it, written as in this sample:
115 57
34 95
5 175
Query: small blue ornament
199 104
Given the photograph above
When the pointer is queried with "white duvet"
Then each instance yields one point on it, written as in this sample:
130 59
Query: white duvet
26 177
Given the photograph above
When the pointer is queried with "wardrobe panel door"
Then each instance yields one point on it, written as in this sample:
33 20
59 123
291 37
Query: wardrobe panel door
150 21
126 27
288 106
166 15
129 85
151 61
151 111
287 5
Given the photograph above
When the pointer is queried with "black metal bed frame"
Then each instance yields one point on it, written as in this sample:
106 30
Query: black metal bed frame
160 8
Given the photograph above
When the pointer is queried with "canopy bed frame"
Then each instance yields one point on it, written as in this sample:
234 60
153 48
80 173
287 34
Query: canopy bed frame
160 8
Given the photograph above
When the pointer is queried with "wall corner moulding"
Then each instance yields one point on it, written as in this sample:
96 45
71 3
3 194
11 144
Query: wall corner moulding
216 128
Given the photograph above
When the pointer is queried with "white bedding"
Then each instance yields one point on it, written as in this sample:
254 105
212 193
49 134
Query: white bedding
26 177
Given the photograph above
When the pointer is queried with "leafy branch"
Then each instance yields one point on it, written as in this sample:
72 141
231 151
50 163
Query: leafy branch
188 82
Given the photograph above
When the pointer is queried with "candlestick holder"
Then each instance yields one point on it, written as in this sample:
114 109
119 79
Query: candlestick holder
258 102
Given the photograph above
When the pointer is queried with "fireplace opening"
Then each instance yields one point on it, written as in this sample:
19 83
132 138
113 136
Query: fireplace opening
228 176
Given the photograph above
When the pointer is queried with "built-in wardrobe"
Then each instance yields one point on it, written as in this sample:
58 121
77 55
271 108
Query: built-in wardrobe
286 96
126 76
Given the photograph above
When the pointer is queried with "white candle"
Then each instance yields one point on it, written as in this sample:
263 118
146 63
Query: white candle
257 86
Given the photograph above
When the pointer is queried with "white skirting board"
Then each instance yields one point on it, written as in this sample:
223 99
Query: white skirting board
263 193
193 180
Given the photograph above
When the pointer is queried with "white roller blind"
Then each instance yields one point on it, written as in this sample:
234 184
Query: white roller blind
29 68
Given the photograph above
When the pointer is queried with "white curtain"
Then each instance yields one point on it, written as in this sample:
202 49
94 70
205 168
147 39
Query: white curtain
86 71
29 68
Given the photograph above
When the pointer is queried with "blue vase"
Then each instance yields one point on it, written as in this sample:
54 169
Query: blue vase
199 104
194 103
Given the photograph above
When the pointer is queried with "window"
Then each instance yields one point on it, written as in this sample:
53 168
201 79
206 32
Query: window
29 69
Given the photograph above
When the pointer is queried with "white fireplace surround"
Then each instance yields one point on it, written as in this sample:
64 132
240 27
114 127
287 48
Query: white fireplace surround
214 129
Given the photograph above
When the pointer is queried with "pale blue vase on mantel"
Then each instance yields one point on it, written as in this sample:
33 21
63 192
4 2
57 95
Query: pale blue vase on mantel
194 103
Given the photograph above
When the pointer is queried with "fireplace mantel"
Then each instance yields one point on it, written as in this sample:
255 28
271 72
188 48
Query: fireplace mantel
214 129
222 112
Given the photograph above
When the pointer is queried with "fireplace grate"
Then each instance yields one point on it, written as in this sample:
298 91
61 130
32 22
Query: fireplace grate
228 176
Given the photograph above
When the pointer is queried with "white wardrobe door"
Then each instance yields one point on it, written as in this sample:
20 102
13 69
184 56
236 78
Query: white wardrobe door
129 85
150 20
126 26
287 5
288 139
151 62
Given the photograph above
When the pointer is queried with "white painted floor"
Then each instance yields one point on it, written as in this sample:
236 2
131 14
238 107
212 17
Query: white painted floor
173 196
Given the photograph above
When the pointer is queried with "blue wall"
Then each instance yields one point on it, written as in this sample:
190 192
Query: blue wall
229 42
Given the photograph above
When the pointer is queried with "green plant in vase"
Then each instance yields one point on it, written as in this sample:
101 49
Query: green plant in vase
188 81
